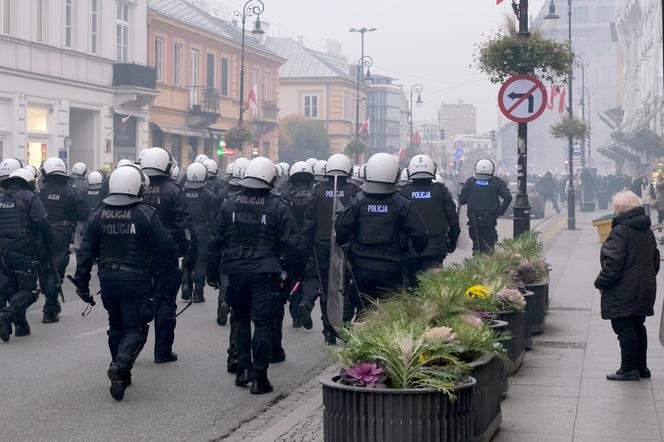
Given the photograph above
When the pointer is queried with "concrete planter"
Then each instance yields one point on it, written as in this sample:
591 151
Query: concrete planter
540 290
488 370
355 414
529 315
516 346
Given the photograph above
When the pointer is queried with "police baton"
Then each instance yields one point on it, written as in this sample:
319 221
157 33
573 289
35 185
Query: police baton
91 303
58 282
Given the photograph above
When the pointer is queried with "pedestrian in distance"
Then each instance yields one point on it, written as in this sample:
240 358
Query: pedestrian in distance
547 189
627 282
131 246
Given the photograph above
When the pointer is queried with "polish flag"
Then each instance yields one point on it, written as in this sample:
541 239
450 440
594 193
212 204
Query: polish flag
402 154
251 99
499 2
364 129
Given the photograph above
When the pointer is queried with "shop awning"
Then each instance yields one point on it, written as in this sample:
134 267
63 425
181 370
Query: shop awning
645 140
184 132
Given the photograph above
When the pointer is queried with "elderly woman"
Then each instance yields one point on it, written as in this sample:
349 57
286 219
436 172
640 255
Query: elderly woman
627 282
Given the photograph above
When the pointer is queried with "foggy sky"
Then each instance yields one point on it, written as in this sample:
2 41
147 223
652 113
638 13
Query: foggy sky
425 41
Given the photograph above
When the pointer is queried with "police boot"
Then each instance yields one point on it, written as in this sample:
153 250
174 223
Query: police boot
222 313
198 294
186 293
21 326
50 317
261 386
164 359
120 378
242 378
231 364
5 326
304 315
297 323
277 355
330 337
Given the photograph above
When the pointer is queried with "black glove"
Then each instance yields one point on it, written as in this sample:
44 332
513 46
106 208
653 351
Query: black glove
213 281
84 294
451 246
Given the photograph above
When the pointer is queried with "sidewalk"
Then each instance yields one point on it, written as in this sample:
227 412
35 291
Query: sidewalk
560 393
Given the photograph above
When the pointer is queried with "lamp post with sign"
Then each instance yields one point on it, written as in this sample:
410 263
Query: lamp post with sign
250 8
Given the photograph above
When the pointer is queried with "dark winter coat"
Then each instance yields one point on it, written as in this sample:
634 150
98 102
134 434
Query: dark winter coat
630 263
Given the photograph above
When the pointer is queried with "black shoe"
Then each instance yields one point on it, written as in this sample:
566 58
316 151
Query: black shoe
643 372
222 314
21 330
5 328
242 377
186 295
632 375
330 338
277 356
171 357
120 378
304 315
297 323
261 387
50 318
199 299
231 366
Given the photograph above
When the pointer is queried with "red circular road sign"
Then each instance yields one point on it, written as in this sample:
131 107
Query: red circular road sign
522 98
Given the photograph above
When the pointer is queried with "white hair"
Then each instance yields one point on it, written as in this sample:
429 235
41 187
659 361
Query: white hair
626 201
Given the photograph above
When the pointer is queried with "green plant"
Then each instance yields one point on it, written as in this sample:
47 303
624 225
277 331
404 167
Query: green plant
506 53
569 127
236 137
356 147
303 137
509 300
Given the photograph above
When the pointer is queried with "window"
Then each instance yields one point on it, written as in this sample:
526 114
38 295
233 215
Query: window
311 106
121 33
347 106
177 64
194 76
210 71
5 16
267 86
159 58
37 118
224 77
94 23
176 148
255 79
604 14
580 15
69 23
40 23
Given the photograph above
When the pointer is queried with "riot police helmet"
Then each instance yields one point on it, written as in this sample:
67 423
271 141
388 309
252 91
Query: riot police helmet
140 156
34 170
260 174
404 179
239 167
175 173
95 180
9 165
381 174
197 175
485 167
280 170
201 158
123 162
24 176
300 167
126 186
156 162
285 166
79 169
229 170
339 164
211 166
319 170
312 161
421 167
54 166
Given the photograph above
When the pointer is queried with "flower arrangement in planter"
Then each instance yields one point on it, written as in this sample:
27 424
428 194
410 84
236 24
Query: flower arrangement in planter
570 127
237 137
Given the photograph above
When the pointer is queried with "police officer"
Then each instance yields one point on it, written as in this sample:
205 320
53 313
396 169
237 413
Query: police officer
129 242
319 170
318 231
299 193
483 194
214 183
65 207
253 229
175 175
171 207
7 167
94 193
433 203
77 177
199 199
23 220
373 224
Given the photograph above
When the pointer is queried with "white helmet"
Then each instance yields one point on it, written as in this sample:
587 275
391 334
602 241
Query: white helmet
54 166
260 174
123 162
312 161
229 170
8 166
421 166
156 162
140 156
25 175
197 175
175 173
280 170
33 169
79 169
362 173
301 167
485 167
319 169
339 164
403 179
212 167
126 186
284 166
239 167
382 173
95 179
201 158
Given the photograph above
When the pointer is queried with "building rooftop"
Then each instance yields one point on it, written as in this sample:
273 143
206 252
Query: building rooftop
303 62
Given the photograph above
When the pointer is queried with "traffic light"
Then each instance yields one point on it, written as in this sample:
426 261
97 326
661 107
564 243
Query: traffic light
221 148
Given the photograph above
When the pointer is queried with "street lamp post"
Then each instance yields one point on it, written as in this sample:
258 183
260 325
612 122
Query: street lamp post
362 31
364 62
585 91
416 89
583 106
571 198
250 8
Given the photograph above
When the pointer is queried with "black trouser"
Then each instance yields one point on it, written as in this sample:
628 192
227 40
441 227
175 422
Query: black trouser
18 277
165 307
317 285
482 231
254 297
194 281
129 305
660 216
419 264
633 341
550 196
376 284
47 280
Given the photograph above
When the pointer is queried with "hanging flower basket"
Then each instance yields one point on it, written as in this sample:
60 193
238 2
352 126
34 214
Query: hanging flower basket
570 127
236 137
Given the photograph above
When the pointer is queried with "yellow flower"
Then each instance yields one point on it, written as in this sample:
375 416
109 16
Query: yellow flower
422 358
478 291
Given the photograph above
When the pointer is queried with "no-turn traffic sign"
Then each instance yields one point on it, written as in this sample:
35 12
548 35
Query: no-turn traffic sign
522 98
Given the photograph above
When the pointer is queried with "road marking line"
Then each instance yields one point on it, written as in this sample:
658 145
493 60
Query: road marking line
90 333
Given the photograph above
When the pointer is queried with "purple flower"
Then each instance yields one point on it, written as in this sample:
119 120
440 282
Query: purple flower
366 374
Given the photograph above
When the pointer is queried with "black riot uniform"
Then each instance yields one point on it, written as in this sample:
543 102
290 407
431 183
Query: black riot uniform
65 207
215 184
252 231
373 225
433 203
24 229
94 195
317 232
171 207
483 195
199 202
132 248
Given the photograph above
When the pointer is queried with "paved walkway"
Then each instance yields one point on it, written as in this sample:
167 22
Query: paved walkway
560 393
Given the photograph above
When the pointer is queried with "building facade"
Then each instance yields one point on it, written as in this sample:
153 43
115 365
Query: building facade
198 59
457 119
384 115
72 80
